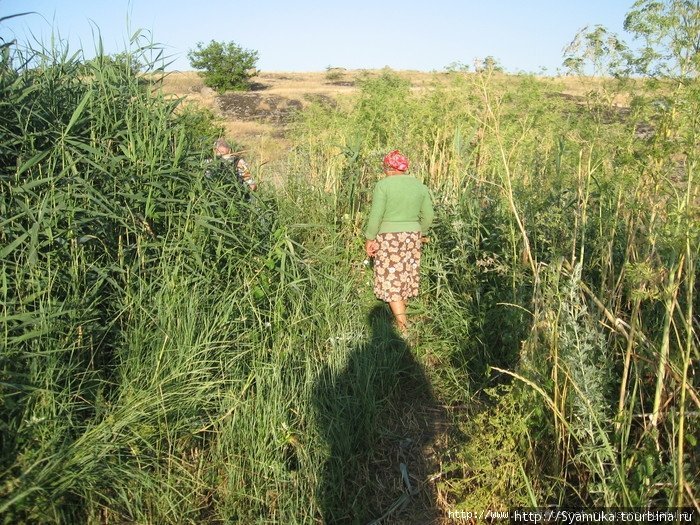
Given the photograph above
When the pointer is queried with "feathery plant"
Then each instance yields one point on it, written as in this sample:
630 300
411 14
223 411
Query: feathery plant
534 190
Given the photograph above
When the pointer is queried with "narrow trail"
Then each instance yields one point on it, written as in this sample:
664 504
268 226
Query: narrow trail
385 431
410 452
425 423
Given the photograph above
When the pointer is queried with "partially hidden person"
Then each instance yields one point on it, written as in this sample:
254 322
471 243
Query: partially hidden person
224 153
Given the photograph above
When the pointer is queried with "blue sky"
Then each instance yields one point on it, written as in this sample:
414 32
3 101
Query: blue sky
305 35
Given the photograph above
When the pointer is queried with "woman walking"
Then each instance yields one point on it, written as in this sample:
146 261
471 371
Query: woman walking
401 214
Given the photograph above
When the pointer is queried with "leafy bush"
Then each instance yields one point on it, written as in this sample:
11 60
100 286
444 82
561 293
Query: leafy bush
119 61
335 74
226 66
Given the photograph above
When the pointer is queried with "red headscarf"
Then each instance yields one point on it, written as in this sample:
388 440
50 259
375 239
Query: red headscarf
395 160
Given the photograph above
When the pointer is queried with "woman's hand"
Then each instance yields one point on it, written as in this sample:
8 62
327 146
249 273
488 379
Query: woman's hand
371 247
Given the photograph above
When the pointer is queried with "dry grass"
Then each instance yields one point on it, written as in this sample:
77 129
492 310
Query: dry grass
580 86
182 82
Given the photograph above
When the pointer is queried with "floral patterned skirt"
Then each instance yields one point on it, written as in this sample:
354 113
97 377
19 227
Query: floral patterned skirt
396 266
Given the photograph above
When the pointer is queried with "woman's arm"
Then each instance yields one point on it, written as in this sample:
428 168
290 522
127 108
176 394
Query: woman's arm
376 213
426 213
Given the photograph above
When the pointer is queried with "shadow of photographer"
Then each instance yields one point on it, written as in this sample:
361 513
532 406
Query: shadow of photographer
378 417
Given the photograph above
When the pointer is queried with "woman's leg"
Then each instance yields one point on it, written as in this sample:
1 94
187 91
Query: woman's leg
398 308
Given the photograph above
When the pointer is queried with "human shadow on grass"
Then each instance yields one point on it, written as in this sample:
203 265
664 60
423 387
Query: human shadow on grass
377 416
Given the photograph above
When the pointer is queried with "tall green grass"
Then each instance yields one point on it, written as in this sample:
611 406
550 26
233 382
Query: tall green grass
173 353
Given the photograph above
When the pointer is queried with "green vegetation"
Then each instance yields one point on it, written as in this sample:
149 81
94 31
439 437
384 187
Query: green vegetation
335 74
227 66
170 354
117 61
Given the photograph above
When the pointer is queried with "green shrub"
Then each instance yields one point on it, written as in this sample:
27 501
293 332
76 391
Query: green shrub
227 66
335 74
